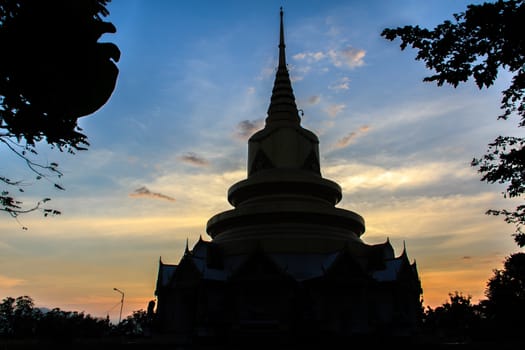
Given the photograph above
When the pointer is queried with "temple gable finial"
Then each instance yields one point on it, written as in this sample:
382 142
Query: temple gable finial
282 105
187 248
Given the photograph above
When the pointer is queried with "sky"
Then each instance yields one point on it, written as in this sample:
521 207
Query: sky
195 82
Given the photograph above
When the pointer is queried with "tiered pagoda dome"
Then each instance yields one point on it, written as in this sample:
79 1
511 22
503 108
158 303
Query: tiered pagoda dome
285 204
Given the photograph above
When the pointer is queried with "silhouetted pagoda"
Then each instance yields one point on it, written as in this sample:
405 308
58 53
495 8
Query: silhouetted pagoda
285 261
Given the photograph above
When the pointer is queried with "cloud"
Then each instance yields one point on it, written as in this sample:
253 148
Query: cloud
310 56
246 128
354 177
349 138
313 100
194 159
266 73
299 70
349 56
346 140
145 192
297 73
341 84
334 110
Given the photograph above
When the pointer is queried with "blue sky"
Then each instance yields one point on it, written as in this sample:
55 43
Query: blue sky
195 81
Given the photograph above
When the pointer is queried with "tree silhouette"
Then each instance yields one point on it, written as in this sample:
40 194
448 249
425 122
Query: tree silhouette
505 304
481 41
20 319
53 70
7 311
454 320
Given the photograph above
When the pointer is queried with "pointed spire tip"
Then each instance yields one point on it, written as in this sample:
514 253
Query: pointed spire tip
282 105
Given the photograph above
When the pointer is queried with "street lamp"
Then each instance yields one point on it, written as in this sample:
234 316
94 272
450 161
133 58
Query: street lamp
121 302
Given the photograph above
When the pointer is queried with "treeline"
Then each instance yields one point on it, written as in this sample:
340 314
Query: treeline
20 319
500 317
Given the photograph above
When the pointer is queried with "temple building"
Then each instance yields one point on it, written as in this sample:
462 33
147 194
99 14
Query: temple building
285 260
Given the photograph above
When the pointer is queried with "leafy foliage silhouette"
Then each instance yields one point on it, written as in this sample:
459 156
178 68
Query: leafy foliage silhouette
20 319
478 44
506 296
454 320
53 70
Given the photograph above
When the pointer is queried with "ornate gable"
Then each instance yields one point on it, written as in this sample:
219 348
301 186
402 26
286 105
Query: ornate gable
260 267
187 271
164 276
345 269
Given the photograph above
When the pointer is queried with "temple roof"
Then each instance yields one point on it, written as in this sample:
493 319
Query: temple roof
300 267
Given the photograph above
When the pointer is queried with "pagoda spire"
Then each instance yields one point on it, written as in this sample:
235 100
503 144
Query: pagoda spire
282 104
282 46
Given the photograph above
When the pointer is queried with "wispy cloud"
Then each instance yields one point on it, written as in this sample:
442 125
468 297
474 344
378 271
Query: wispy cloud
349 138
266 72
354 177
194 159
341 84
349 57
313 100
146 193
246 128
310 56
334 110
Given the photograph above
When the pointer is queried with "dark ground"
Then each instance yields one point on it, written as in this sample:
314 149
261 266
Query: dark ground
258 343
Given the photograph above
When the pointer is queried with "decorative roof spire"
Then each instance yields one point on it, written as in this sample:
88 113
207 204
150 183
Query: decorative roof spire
282 104
187 249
